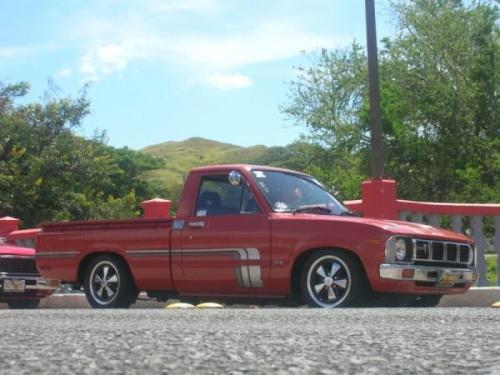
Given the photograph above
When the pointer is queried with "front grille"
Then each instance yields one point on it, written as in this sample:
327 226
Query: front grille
422 250
438 251
444 253
464 254
451 252
17 265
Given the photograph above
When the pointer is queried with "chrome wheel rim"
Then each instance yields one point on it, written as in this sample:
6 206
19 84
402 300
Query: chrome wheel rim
328 281
104 283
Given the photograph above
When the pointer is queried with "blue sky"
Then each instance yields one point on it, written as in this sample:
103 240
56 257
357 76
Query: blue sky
173 69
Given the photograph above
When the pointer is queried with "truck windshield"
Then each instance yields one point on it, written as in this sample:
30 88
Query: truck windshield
289 192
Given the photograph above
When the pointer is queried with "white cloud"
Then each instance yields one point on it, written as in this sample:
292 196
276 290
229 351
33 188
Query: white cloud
63 73
23 51
262 44
12 52
161 32
202 53
106 59
221 81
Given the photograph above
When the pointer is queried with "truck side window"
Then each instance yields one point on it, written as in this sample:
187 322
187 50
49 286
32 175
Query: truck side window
218 197
248 203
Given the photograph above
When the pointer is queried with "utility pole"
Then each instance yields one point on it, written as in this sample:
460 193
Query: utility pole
376 121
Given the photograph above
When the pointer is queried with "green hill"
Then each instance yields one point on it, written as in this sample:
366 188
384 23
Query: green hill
179 157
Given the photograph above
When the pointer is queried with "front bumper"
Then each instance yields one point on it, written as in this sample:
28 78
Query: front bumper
32 283
441 277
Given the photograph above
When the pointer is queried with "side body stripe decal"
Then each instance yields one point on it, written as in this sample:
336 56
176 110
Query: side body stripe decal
248 276
58 254
148 253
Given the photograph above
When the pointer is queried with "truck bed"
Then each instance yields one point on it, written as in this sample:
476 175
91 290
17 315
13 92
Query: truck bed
65 248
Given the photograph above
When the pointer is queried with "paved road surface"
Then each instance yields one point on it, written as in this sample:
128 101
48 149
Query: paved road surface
284 341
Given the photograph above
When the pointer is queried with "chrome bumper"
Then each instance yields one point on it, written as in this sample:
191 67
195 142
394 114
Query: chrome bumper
32 282
444 277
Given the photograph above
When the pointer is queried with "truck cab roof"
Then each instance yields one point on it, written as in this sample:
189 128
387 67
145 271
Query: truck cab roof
215 168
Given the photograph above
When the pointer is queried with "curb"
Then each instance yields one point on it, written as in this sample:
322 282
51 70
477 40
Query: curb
475 297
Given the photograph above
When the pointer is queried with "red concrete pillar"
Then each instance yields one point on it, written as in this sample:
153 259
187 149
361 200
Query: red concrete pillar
8 224
379 199
156 208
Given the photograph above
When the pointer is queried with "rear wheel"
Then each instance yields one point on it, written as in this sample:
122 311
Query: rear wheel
24 303
333 278
108 283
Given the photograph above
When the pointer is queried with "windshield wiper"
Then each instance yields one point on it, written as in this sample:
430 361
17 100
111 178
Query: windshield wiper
320 210
349 213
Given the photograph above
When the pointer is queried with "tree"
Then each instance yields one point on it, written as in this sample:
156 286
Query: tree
445 67
438 90
47 172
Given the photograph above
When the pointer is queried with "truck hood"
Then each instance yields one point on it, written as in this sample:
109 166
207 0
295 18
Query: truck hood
390 227
7 249
416 230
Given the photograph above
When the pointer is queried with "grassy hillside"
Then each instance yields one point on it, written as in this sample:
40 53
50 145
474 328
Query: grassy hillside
179 157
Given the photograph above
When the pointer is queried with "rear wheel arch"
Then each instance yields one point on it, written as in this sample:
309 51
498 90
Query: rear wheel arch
87 259
301 259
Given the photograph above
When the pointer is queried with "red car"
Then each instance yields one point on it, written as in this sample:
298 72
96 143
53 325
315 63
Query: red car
256 233
20 283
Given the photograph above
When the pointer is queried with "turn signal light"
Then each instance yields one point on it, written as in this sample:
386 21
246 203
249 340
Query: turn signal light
407 273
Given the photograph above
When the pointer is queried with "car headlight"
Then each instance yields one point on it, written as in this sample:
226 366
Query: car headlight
401 250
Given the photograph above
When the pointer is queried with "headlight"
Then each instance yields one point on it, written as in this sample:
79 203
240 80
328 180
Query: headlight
401 250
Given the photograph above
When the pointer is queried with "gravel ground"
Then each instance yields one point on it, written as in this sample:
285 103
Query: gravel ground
237 341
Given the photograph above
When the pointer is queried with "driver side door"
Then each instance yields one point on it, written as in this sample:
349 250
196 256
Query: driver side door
225 244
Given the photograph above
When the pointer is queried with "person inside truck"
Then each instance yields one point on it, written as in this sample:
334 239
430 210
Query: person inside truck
210 203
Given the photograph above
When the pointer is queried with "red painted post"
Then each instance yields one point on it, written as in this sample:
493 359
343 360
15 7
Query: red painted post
156 208
8 224
379 199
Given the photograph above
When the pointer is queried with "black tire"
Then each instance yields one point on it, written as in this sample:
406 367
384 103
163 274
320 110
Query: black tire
24 303
333 278
108 283
429 300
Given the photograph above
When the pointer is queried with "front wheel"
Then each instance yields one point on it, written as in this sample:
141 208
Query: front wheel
108 283
332 278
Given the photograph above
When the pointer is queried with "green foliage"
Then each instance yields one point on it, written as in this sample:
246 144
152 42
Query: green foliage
117 208
327 97
439 82
49 173
491 269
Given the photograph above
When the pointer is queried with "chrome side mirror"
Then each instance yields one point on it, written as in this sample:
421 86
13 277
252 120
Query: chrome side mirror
234 178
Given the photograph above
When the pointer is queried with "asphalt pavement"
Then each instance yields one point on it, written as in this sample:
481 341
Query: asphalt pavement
241 341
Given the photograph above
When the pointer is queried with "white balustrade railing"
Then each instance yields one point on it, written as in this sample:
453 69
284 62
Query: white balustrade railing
471 225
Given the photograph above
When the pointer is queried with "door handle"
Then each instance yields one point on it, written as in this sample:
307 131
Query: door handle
196 224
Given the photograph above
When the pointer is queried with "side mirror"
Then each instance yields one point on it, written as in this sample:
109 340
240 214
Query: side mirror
234 178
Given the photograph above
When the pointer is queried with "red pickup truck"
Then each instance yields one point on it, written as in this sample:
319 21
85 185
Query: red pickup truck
254 232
